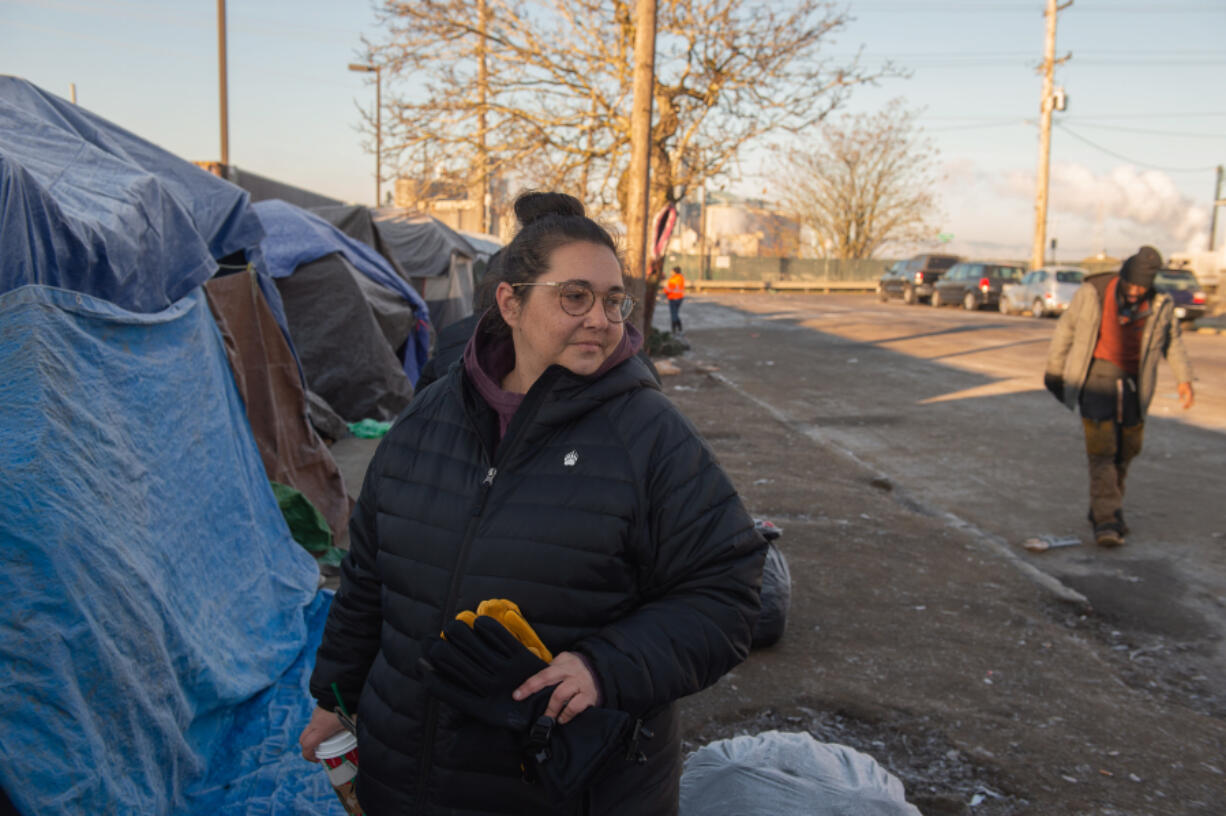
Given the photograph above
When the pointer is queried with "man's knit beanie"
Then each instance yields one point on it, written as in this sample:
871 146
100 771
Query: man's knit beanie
1141 268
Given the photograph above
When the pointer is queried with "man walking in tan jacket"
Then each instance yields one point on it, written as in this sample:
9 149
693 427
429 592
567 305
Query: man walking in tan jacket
1103 360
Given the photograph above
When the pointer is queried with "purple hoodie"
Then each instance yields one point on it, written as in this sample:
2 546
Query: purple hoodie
488 360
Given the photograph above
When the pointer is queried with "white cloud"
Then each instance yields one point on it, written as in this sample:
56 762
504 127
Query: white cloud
1125 206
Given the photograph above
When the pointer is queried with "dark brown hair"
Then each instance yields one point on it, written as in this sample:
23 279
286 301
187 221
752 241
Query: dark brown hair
547 221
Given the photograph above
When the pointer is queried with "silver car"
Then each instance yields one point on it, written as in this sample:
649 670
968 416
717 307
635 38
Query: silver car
1045 291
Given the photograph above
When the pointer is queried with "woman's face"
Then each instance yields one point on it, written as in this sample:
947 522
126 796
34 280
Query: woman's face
544 334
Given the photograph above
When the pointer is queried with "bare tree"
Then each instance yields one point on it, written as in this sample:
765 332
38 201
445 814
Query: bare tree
556 97
867 185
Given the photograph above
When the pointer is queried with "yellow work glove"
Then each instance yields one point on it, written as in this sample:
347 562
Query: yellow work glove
507 613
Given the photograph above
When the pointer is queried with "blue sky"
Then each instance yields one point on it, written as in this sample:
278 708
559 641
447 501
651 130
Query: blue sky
1132 157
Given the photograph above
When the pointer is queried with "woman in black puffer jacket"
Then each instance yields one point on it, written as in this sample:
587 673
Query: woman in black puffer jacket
550 470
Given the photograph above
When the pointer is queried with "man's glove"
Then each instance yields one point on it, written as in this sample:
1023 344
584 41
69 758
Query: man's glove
1055 384
475 670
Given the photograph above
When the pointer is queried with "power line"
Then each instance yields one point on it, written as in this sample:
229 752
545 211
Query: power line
1177 133
1081 120
977 6
980 126
1200 115
1129 159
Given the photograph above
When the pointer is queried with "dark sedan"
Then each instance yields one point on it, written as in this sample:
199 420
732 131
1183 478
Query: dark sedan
974 284
1185 291
912 280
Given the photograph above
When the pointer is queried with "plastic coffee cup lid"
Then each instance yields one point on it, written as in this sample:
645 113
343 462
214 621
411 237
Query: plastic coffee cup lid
337 745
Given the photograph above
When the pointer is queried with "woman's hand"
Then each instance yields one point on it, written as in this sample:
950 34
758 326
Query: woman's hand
576 689
323 724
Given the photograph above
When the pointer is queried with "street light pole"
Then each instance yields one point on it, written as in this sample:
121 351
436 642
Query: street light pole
376 70
221 83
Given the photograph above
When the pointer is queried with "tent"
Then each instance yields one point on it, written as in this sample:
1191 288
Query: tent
349 314
269 381
435 258
160 621
155 240
358 223
262 188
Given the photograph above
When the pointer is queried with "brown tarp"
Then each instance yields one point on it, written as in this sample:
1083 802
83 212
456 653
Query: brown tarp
269 383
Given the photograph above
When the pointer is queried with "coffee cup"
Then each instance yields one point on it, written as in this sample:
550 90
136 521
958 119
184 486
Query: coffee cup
339 756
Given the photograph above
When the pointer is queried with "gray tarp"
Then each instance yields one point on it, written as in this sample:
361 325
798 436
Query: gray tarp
434 258
340 338
358 223
262 188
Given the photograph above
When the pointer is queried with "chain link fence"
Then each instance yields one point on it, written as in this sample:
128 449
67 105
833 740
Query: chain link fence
783 270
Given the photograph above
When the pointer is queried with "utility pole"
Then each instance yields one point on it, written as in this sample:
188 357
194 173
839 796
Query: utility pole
377 70
483 80
221 82
1218 201
640 144
1046 104
702 231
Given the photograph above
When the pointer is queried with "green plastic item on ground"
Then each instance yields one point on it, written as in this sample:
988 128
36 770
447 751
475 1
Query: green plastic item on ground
306 524
369 429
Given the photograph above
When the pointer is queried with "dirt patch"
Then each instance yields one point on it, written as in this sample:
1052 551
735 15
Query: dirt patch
913 640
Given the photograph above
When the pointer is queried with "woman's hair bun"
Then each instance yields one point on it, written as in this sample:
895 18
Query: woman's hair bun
531 207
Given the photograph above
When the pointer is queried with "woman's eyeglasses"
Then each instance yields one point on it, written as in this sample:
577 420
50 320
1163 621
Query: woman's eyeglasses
577 299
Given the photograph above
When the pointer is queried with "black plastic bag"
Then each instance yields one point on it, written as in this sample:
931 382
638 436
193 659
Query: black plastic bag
776 598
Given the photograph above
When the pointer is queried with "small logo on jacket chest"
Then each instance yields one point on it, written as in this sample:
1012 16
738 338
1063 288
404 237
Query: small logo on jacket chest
571 459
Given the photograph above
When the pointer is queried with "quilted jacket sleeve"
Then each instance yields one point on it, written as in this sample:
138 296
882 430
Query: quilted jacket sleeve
701 573
351 635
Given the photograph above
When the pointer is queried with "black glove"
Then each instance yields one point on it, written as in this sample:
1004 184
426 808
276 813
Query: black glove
475 670
1055 384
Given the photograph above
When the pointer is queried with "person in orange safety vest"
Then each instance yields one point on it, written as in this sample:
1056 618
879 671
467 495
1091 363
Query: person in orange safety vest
674 290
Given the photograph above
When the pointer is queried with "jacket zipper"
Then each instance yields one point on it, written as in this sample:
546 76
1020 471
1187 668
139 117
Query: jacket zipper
532 402
431 724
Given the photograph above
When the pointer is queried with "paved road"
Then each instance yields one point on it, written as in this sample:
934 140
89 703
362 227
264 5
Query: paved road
949 406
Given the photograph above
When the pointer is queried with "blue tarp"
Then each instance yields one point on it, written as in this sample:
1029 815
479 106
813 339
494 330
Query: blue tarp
90 207
293 236
158 622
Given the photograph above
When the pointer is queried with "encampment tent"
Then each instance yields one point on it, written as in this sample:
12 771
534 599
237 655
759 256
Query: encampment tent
350 314
358 223
434 258
161 621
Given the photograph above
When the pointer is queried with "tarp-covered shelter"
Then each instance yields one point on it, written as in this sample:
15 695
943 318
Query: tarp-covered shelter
360 330
435 258
160 621
270 384
358 223
262 188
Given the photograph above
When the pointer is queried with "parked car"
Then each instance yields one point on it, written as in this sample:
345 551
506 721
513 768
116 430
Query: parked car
1185 290
891 272
912 279
1044 291
974 284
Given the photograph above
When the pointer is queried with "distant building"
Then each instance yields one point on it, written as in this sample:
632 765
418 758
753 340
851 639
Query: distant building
455 204
1209 267
1102 262
730 225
